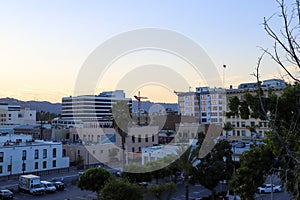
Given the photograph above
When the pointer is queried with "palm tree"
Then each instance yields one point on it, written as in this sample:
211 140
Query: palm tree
186 161
121 114
227 127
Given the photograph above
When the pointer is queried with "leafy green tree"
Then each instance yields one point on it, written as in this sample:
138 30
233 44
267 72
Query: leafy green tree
215 166
137 173
121 113
158 169
185 162
255 166
159 190
94 180
282 112
227 127
170 188
121 189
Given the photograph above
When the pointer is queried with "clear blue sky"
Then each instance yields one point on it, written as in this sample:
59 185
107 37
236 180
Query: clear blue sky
44 43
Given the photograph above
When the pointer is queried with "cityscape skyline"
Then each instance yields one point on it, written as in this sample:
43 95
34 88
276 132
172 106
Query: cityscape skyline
47 42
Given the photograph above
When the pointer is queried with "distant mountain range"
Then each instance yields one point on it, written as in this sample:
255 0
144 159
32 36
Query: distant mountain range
56 107
34 105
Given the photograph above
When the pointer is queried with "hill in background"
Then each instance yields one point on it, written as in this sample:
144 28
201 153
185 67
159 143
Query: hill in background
56 107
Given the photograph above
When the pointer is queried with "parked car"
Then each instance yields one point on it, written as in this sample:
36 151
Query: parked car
144 184
232 196
267 188
6 194
49 187
59 185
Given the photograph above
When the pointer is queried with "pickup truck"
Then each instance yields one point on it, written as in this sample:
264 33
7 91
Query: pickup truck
267 188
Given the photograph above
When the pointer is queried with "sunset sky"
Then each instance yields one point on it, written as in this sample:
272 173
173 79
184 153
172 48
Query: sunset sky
44 44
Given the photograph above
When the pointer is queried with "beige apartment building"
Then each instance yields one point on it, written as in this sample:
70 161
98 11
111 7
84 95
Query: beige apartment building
103 145
241 126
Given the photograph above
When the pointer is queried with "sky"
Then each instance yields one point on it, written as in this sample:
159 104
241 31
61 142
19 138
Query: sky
45 43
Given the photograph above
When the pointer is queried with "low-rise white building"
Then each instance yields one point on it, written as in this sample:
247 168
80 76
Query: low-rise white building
13 114
29 157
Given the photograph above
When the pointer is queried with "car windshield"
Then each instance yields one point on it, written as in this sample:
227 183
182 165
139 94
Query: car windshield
37 186
49 185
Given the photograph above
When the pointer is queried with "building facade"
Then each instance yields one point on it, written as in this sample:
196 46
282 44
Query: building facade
211 105
13 114
29 157
90 108
188 103
241 127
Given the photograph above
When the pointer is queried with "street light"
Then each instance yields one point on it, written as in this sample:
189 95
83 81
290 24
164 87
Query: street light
41 116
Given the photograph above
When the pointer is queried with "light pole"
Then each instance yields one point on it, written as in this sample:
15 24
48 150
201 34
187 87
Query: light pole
234 145
41 116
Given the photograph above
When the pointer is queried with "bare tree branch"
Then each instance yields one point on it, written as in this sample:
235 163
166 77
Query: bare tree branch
266 116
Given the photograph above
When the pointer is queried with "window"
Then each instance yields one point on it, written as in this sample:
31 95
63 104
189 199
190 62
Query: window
36 154
9 168
133 139
238 133
152 138
146 138
140 149
44 153
54 152
54 163
1 169
243 124
1 156
237 124
44 164
132 149
252 124
36 165
243 133
24 155
64 152
139 138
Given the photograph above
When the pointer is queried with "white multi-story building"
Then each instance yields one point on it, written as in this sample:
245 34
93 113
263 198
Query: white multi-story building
13 114
90 108
188 103
212 105
29 157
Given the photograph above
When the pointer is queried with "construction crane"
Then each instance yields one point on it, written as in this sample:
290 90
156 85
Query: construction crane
139 98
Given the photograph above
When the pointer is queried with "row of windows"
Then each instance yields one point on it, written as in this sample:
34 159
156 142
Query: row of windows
244 133
140 138
86 107
252 123
36 154
36 166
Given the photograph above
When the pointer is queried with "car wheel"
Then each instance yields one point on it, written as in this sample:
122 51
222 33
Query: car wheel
262 191
276 191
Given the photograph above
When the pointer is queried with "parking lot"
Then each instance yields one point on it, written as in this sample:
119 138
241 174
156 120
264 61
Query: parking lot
70 192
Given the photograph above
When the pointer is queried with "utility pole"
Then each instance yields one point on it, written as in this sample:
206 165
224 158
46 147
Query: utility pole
41 116
138 98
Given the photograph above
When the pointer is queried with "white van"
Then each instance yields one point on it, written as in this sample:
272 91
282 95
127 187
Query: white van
49 187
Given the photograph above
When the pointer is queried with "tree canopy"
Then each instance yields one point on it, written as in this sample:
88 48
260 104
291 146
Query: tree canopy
121 189
93 179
